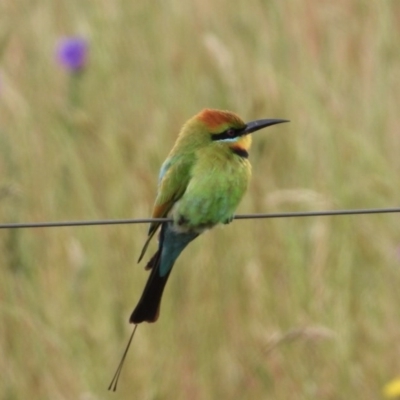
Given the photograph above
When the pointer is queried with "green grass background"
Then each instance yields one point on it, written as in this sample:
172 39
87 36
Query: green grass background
260 309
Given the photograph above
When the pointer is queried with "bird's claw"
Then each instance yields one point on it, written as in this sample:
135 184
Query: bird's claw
228 220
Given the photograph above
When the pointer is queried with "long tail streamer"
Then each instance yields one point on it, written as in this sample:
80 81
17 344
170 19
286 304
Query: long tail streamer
114 382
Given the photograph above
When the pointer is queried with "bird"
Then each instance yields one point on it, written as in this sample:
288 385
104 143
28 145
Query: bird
200 185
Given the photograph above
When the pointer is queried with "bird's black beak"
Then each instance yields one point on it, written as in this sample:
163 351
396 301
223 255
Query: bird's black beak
260 124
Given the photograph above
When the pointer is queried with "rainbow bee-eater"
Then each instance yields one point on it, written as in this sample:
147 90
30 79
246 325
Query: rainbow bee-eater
200 185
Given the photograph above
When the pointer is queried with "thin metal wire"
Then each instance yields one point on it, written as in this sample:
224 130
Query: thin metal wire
243 216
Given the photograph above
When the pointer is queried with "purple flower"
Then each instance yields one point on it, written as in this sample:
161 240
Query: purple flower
72 53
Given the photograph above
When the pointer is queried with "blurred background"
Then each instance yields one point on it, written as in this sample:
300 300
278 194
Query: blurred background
92 96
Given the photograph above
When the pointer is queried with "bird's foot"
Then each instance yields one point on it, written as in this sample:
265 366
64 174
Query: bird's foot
228 220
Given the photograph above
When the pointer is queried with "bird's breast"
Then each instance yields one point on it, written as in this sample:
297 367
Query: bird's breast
216 186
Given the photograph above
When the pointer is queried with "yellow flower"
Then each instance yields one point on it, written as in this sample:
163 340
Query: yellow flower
392 389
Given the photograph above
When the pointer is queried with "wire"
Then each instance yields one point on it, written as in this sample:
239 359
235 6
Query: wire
243 216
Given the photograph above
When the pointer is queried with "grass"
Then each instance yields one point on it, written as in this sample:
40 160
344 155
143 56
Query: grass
275 309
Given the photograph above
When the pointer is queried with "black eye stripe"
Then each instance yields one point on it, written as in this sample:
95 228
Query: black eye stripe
227 134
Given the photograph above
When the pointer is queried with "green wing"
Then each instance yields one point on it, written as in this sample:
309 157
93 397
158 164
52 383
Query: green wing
174 178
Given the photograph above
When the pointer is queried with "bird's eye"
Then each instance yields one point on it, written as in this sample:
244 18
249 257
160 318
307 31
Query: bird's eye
230 132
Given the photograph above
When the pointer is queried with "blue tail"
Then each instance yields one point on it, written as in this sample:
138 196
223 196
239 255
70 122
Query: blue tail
170 247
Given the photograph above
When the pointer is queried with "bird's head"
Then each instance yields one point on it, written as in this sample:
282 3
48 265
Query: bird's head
224 127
